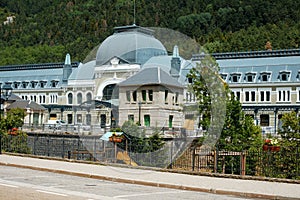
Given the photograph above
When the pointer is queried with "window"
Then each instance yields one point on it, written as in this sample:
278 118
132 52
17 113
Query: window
170 121
43 84
264 96
16 85
150 95
250 96
144 95
223 76
70 98
284 76
102 120
79 119
283 94
88 119
53 98
134 96
237 95
24 84
264 120
166 96
108 92
265 76
42 99
88 97
128 96
33 84
54 83
250 77
79 98
131 118
70 118
176 97
235 78
147 120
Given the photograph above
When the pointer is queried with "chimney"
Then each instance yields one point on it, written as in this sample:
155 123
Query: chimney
67 70
175 63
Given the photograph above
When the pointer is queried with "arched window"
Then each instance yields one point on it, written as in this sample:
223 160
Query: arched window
70 98
108 92
79 98
88 97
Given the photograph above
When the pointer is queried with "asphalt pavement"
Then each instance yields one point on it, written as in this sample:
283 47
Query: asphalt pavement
242 187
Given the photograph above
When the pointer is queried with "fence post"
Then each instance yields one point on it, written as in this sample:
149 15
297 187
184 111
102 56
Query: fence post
216 160
63 147
243 163
48 144
193 158
78 144
171 159
95 147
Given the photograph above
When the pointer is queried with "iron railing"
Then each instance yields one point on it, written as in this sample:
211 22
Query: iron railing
282 163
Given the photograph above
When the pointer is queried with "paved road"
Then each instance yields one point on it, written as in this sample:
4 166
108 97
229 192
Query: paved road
27 184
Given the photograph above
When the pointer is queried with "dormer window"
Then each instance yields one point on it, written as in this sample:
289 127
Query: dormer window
284 75
43 84
24 84
298 76
223 76
250 77
33 84
16 84
235 77
265 76
54 83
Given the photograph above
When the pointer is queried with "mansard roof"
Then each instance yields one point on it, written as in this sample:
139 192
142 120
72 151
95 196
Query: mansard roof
256 63
28 73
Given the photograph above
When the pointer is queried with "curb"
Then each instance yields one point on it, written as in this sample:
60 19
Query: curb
147 183
194 173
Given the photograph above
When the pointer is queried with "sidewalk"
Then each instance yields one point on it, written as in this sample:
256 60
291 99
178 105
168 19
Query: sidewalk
228 186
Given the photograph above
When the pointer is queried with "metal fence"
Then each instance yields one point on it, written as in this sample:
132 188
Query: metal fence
283 163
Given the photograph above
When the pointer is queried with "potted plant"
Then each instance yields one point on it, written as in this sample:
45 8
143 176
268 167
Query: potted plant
115 138
271 144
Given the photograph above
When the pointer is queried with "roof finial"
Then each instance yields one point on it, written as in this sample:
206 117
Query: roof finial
68 59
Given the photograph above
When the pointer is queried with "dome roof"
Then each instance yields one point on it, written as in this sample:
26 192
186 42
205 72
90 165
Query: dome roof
131 43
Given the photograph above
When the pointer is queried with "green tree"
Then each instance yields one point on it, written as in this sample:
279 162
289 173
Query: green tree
287 162
239 132
14 119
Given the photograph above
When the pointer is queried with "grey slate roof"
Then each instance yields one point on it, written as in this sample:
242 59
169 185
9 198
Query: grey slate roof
258 62
34 72
164 62
23 104
151 76
84 71
257 66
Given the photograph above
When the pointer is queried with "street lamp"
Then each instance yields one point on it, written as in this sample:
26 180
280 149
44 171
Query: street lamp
5 93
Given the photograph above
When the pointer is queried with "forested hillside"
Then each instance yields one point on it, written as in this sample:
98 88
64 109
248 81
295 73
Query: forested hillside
45 30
